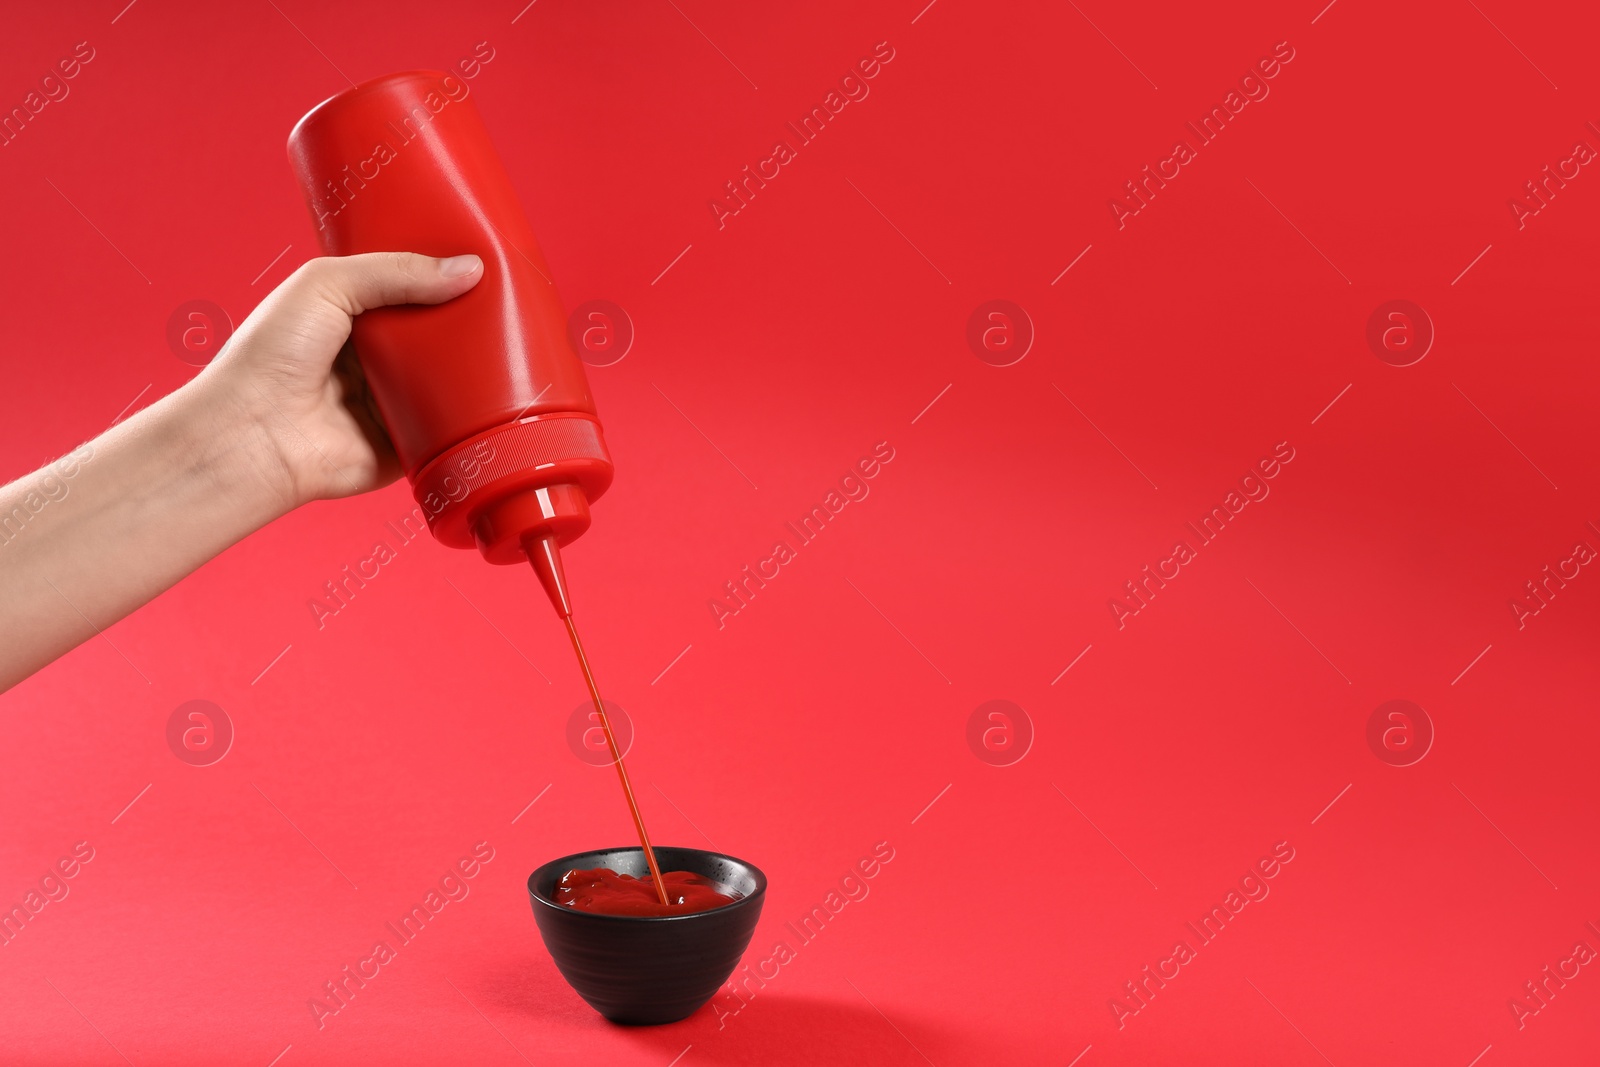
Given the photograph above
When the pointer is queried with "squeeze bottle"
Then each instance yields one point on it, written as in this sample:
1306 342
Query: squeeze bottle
484 398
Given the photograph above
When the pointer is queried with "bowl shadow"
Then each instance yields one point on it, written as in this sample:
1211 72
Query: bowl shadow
785 1030
775 1028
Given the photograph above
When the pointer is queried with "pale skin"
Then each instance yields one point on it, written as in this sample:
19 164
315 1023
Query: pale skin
280 418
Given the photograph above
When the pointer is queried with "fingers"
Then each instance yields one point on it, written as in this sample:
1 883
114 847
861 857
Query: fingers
358 283
356 397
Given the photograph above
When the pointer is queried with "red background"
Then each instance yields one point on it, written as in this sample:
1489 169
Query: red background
824 718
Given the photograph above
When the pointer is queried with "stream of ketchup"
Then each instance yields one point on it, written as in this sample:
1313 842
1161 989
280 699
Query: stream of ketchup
622 772
603 890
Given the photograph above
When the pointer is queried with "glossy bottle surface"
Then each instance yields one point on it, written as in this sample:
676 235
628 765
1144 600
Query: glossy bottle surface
488 406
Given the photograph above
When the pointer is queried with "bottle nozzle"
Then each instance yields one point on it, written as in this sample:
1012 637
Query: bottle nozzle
544 552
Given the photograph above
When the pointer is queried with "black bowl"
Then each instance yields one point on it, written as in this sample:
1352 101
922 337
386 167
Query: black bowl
644 970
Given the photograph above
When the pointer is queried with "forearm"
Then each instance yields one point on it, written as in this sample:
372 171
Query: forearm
90 538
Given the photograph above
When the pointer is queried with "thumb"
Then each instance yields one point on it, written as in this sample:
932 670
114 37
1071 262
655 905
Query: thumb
374 279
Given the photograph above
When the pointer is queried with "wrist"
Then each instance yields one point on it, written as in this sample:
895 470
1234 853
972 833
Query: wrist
230 437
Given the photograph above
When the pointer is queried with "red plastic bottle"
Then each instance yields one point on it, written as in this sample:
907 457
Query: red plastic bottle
484 398
486 402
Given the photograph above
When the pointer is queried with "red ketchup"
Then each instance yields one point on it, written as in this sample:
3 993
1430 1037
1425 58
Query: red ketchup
606 892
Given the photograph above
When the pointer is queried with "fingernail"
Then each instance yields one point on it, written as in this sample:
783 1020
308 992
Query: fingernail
458 266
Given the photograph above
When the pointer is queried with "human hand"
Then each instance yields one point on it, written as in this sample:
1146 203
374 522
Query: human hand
292 374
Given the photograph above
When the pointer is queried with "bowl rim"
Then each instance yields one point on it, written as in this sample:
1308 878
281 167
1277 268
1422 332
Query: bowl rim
756 894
